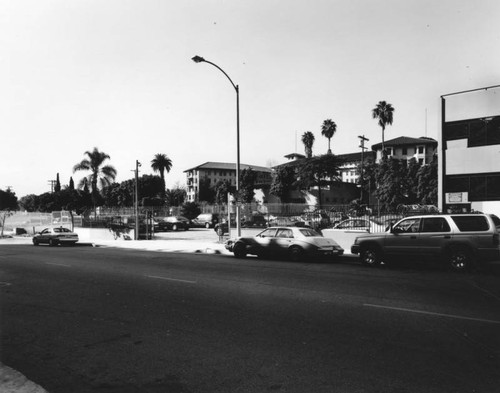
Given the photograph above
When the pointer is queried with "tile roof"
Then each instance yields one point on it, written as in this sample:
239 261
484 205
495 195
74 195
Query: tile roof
405 140
228 166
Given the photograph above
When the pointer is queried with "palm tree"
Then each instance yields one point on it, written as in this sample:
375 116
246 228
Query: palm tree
384 113
308 141
100 176
161 163
328 129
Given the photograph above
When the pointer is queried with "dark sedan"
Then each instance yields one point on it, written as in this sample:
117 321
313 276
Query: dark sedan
172 223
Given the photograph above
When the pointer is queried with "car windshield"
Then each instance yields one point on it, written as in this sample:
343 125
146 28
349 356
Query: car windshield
496 220
307 232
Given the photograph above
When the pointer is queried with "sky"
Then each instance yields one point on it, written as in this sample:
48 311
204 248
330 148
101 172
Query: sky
118 75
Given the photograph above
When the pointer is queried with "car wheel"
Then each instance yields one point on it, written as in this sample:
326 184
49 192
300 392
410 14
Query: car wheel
52 242
296 254
207 225
239 250
460 259
35 242
174 227
370 256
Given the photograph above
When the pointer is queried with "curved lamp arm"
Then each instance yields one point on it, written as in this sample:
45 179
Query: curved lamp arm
199 59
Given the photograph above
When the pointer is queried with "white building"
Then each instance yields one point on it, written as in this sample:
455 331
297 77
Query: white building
470 151
213 172
423 149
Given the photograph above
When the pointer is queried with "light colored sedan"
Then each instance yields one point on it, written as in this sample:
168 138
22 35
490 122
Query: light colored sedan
295 243
55 236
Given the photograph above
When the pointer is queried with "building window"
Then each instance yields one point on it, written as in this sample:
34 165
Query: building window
480 187
405 151
420 150
421 161
478 132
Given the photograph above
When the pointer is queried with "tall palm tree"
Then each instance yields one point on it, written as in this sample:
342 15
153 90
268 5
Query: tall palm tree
161 163
384 113
308 141
100 175
328 129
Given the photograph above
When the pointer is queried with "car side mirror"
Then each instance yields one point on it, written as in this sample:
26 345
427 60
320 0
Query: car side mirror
396 230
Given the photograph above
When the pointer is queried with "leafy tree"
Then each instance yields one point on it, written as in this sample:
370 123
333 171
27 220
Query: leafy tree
175 196
283 182
190 210
150 188
71 184
248 178
391 177
318 172
308 141
120 194
368 176
206 192
222 188
328 129
427 190
8 200
100 175
29 203
411 182
3 216
384 113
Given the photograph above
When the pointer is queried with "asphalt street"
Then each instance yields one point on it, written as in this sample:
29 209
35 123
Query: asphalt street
86 319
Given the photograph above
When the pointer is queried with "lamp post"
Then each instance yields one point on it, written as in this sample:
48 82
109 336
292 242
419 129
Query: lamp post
362 140
199 59
137 165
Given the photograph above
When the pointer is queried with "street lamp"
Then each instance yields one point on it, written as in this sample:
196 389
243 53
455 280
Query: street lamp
136 205
199 59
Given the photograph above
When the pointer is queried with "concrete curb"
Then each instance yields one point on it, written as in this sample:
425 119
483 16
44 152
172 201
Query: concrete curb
12 381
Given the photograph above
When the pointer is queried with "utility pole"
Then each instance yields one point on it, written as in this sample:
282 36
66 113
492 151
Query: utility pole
362 140
137 165
52 184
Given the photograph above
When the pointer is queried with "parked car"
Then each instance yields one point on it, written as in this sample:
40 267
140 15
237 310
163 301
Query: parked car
205 220
285 221
360 225
295 243
173 223
55 237
336 217
317 219
254 221
461 240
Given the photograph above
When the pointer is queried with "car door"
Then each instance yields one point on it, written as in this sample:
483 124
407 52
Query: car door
403 240
264 242
45 235
435 234
283 241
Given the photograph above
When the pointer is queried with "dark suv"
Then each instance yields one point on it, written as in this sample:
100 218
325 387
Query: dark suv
205 220
461 240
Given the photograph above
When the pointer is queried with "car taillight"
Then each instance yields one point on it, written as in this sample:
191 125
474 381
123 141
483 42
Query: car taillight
496 239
